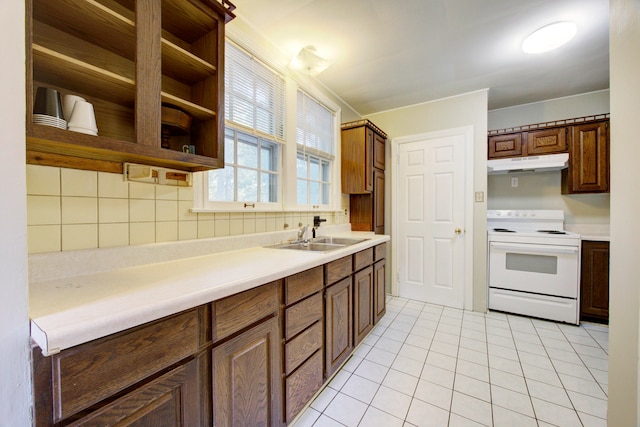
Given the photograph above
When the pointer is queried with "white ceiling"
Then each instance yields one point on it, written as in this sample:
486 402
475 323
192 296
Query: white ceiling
393 53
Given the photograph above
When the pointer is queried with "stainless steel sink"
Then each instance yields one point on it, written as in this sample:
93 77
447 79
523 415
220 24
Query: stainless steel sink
311 246
345 241
320 244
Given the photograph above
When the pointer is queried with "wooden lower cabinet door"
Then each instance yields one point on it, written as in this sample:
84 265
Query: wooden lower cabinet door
594 281
177 398
338 324
247 386
363 304
379 290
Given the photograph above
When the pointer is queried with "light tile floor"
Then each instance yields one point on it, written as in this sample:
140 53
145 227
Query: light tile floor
428 365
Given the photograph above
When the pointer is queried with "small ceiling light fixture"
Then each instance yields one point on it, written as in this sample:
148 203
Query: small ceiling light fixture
309 62
549 37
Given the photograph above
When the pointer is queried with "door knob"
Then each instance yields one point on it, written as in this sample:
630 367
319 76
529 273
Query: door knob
457 230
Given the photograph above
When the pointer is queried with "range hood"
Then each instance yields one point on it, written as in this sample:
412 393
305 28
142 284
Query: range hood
548 162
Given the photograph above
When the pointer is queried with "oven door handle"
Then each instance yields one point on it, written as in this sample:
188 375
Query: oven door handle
535 248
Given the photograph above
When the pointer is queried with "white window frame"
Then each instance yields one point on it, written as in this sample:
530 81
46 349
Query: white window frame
288 152
200 180
311 152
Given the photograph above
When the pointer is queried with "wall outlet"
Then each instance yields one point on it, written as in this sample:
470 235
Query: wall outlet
345 212
514 181
479 196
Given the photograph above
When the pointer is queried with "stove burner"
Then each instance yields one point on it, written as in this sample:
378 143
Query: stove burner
552 232
503 230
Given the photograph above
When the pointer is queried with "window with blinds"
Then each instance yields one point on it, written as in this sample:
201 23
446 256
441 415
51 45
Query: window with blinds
254 115
315 151
254 94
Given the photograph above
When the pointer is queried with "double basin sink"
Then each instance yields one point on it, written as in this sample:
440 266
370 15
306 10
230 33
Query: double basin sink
320 244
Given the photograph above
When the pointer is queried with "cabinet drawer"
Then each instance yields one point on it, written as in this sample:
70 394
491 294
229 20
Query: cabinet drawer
89 373
301 347
362 259
380 252
547 141
236 312
338 269
507 145
303 284
173 396
303 314
302 385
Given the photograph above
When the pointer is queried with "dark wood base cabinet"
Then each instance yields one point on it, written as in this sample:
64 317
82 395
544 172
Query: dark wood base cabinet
246 378
174 399
255 358
338 324
124 375
594 281
363 304
379 290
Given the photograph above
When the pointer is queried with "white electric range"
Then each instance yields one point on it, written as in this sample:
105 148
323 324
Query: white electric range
534 264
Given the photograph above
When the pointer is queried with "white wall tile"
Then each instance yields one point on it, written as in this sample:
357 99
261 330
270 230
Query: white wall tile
113 210
166 231
235 226
206 228
187 230
249 225
79 236
185 194
43 210
184 211
113 235
43 238
164 192
166 210
79 210
261 224
79 183
142 233
221 227
142 210
112 185
43 180
140 190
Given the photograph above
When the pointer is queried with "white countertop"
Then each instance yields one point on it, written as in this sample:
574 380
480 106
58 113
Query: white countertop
597 232
67 311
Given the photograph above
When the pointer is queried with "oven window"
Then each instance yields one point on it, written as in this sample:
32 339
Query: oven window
532 263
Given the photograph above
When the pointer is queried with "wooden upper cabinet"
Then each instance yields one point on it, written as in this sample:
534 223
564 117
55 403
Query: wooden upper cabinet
547 141
129 58
588 170
362 151
357 155
378 151
507 145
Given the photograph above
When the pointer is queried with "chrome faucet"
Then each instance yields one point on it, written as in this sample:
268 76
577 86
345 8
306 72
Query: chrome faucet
302 233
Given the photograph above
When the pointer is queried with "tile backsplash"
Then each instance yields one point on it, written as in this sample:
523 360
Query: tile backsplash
69 209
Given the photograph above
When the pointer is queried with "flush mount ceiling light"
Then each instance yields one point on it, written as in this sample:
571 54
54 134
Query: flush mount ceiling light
309 62
549 37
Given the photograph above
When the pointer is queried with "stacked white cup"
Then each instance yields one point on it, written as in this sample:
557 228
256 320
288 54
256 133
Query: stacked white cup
80 114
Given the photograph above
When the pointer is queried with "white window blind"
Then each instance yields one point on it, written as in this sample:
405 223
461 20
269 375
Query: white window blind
254 94
314 130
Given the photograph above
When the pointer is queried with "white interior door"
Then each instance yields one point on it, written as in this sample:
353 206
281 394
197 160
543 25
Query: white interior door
430 212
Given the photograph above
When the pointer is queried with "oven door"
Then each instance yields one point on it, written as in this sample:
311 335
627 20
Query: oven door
540 269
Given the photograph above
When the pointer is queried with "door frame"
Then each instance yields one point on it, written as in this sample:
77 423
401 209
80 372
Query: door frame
467 132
